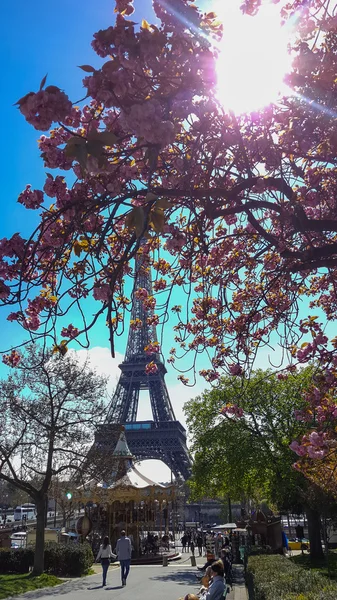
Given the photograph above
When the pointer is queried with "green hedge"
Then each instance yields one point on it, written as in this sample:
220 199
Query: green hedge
69 560
277 578
16 561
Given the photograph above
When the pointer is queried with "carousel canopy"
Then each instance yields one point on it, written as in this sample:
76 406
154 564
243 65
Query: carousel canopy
122 449
125 481
132 478
224 526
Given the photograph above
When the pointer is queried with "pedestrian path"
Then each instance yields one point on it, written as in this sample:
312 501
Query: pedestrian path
239 587
145 582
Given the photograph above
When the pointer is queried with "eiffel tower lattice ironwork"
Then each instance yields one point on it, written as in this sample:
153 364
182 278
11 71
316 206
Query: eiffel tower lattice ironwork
164 437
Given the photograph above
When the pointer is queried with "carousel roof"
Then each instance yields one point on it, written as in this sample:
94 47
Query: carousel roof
125 479
122 449
132 478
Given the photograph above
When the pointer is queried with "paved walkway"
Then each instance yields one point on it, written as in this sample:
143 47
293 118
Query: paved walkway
239 587
144 583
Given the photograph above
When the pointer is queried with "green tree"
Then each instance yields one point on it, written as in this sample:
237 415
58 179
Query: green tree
241 434
49 409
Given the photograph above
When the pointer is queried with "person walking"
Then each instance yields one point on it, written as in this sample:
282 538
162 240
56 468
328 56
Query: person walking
123 550
199 544
104 555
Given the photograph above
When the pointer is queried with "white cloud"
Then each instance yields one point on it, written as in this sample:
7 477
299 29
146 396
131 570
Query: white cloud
101 360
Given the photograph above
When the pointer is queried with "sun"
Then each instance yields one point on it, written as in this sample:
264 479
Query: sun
253 57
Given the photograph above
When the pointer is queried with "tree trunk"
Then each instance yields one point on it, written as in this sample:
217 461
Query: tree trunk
314 527
39 544
230 517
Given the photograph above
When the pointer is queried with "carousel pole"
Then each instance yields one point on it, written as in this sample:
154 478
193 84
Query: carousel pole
109 521
126 518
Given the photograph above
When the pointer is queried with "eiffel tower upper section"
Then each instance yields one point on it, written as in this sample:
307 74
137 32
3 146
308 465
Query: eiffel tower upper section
163 438
133 378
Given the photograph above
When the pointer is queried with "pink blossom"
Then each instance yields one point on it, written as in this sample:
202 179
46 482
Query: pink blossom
232 409
159 284
12 359
125 7
69 332
151 368
235 369
14 247
316 438
300 450
141 293
43 108
101 291
209 374
316 454
4 290
152 320
149 303
55 187
152 348
31 198
176 243
146 121
136 324
15 316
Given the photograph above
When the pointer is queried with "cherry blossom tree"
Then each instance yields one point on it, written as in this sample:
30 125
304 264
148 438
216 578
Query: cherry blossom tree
238 212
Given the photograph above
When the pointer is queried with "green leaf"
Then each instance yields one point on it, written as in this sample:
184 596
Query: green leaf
139 220
163 203
158 220
43 82
106 138
87 68
95 148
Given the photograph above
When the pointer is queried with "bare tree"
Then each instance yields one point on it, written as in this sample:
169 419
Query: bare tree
49 409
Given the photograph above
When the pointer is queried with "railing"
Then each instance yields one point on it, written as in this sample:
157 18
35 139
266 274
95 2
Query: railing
143 425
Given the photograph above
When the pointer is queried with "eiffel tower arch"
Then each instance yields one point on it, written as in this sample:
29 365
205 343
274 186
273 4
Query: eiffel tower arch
163 437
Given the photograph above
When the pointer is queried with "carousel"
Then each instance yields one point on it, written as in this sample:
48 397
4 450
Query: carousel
128 500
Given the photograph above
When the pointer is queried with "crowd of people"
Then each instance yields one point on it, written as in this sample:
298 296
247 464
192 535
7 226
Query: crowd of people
193 539
213 576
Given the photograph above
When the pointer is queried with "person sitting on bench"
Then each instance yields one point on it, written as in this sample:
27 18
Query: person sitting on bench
216 587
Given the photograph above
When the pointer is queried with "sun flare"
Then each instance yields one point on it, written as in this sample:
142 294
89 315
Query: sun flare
253 57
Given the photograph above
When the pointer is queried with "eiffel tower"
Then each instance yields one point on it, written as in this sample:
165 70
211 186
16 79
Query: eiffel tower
162 438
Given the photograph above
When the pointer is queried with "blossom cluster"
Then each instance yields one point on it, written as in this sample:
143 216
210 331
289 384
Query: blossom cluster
151 368
12 359
233 410
237 212
152 348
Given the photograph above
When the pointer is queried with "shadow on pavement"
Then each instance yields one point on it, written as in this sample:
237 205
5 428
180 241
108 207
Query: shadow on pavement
95 587
117 587
180 577
65 588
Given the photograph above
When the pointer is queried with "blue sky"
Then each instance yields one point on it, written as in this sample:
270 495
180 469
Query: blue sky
53 37
42 37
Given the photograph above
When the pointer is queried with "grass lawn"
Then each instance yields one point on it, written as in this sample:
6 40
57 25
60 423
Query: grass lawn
12 585
326 568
